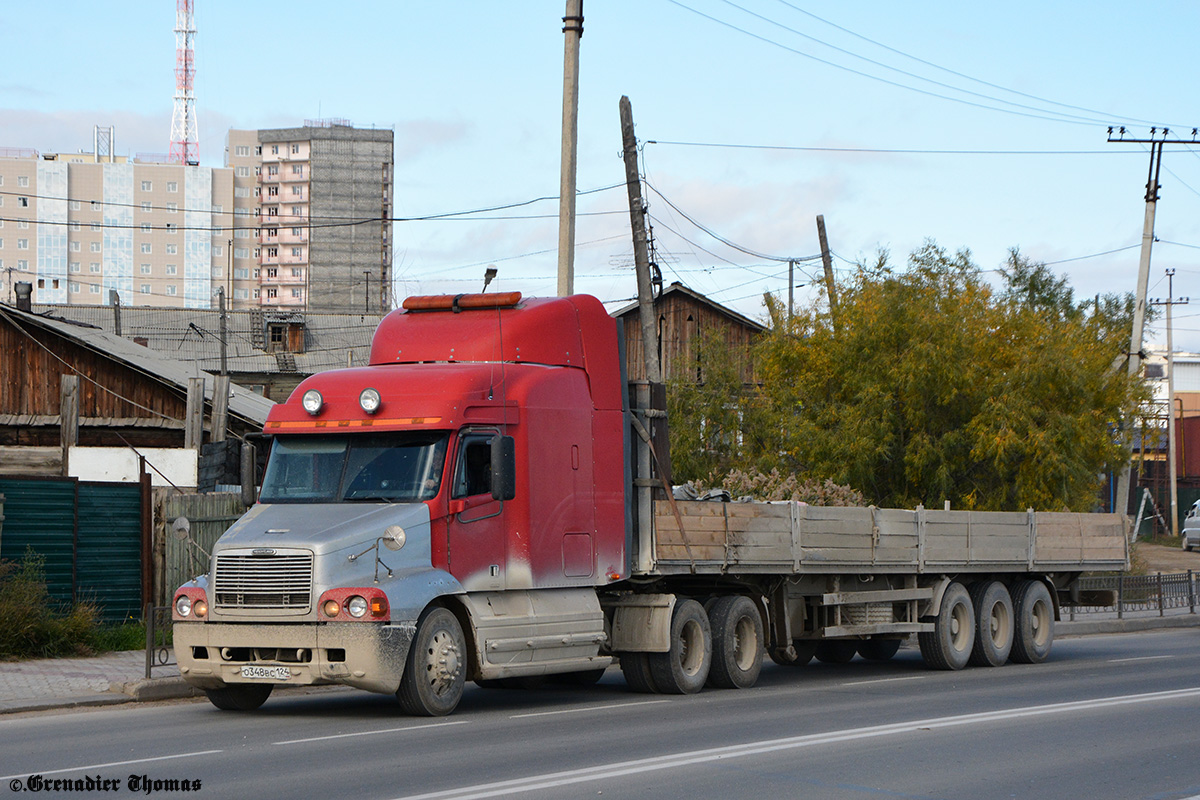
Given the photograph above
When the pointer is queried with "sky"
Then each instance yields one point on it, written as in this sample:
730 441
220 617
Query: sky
979 126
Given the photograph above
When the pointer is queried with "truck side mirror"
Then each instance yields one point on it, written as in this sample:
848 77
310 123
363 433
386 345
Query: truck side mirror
504 468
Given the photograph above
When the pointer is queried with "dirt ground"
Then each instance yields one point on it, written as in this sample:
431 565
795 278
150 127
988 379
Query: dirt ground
1160 558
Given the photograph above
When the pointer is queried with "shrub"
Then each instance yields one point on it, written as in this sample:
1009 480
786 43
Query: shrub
774 485
32 625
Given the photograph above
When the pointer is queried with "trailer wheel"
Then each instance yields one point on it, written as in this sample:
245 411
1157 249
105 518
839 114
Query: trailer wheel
948 645
239 696
805 650
878 649
435 670
636 669
837 651
684 668
1034 630
737 643
993 624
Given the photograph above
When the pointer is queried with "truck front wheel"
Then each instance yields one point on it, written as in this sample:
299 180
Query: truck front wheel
239 696
435 670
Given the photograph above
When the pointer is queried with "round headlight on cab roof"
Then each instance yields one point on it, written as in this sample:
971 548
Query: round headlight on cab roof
369 400
312 401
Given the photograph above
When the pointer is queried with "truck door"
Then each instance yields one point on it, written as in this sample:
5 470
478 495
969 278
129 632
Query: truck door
475 527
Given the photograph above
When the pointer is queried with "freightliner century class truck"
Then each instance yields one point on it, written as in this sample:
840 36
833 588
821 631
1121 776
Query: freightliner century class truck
480 504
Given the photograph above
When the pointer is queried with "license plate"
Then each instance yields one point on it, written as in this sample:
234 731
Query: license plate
271 673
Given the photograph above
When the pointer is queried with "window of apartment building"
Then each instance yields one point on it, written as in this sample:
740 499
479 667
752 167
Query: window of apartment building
22 244
172 207
241 212
172 249
172 269
218 272
145 288
255 275
256 254
296 272
272 232
74 203
96 227
297 211
296 293
75 266
297 169
23 264
22 180
23 224
145 269
241 273
256 294
1 200
274 149
1 243
94 288
241 150
1 180
258 170
147 186
298 190
147 248
23 202
74 287
297 251
272 252
216 209
241 252
95 247
241 233
146 227
75 247
241 172
145 205
241 191
94 267
171 290
217 250
272 191
241 294
272 272
272 294
171 229
258 149
273 211
297 231
172 186
76 227
273 169
295 148
257 192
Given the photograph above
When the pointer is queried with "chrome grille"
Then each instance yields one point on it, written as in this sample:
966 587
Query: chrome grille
279 581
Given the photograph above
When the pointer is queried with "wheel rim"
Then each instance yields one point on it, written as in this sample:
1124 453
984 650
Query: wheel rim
960 627
691 648
745 644
442 664
1039 621
1000 624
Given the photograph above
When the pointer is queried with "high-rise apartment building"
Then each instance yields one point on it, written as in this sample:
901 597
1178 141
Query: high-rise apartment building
312 211
78 225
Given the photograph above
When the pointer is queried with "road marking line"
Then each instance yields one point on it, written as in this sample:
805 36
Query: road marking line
1139 658
110 764
617 769
368 733
588 708
886 680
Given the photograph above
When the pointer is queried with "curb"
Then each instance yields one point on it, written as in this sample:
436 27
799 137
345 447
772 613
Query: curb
1087 627
148 689
52 703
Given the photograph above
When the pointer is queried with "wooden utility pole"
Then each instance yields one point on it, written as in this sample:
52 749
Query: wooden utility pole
220 408
68 417
573 31
193 424
830 286
224 329
1171 300
641 257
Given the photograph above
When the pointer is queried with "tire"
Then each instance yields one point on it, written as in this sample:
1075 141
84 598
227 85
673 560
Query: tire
837 651
636 669
587 678
805 650
435 670
993 624
879 649
1033 610
240 696
737 643
684 668
949 644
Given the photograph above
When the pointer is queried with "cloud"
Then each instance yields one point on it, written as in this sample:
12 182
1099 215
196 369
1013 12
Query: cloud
71 131
417 136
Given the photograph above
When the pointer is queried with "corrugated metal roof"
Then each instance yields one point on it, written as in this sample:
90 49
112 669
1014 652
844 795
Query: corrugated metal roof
243 403
192 336
681 289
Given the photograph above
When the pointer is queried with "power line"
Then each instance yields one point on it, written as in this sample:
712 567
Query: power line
891 150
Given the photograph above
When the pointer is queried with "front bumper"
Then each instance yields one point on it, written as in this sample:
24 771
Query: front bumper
364 655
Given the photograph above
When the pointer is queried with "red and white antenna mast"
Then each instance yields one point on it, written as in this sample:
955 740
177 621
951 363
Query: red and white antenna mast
185 136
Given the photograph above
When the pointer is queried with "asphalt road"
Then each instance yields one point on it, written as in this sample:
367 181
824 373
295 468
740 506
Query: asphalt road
1106 717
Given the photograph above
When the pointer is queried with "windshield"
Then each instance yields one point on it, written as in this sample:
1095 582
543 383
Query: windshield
390 467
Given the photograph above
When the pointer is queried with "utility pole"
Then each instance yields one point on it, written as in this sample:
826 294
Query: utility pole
224 337
830 286
1171 300
641 258
791 290
1156 142
573 31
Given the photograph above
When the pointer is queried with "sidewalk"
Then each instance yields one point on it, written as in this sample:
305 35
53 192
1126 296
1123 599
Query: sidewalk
120 677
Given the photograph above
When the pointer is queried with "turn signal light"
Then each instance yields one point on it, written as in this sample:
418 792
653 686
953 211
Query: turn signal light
354 605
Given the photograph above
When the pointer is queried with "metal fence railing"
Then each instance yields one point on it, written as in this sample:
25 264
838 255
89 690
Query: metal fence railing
1141 593
158 638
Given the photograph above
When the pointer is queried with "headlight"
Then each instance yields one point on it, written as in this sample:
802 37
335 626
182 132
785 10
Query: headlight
357 606
312 401
331 608
183 605
200 608
369 400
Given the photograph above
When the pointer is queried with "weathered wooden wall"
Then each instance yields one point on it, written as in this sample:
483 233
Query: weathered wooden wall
681 321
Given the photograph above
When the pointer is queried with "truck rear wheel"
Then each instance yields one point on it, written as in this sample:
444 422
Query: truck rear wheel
636 669
737 643
684 668
1034 630
993 624
837 651
435 670
948 645
239 696
878 649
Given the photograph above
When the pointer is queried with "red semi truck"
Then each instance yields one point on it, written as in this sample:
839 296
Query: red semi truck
479 504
